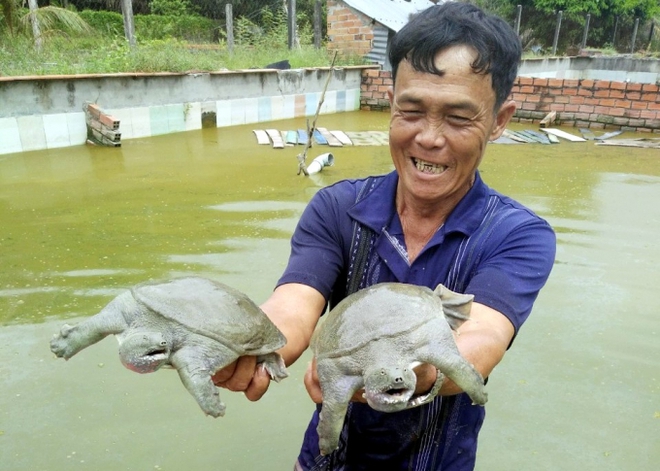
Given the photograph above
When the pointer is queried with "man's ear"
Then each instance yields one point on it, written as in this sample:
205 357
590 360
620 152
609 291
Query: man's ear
390 96
504 115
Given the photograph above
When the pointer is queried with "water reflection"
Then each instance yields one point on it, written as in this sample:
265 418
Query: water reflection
579 390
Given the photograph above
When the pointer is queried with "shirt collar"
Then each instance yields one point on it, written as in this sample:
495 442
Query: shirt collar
375 210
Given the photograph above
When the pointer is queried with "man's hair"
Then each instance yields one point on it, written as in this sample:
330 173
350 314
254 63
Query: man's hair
455 23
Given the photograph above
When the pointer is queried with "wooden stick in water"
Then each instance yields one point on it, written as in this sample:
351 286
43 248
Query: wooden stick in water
310 129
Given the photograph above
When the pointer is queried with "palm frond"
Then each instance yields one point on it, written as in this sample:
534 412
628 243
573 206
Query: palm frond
57 19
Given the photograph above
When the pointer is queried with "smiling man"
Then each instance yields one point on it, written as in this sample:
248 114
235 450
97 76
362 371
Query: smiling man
433 220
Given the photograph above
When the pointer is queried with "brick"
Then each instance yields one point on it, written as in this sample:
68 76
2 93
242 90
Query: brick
533 98
607 102
527 89
585 92
602 93
109 121
654 97
653 123
525 80
571 83
586 109
94 110
648 114
587 83
633 113
617 94
519 97
636 122
572 108
577 100
618 85
634 87
602 84
529 106
633 95
650 87
622 103
653 106
605 119
570 91
540 82
557 107
555 83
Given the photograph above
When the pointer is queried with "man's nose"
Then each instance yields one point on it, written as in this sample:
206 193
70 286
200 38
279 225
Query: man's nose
431 134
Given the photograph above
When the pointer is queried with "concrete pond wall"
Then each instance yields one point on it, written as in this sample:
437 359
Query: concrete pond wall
46 112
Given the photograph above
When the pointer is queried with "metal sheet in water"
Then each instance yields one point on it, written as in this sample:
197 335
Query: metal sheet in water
580 388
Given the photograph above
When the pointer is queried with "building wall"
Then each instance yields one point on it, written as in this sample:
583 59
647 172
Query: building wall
349 31
598 104
47 112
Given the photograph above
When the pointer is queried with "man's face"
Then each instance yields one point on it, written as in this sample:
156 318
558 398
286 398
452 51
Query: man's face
439 127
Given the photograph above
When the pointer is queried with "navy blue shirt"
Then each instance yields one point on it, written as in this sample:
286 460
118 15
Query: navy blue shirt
503 264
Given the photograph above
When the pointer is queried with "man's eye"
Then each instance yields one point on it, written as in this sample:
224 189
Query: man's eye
459 119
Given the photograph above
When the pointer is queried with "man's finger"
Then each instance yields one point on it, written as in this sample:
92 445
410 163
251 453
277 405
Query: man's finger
242 374
312 383
259 384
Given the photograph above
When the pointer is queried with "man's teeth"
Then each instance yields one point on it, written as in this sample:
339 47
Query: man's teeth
427 167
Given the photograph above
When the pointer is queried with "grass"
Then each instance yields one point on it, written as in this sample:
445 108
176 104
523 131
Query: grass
62 55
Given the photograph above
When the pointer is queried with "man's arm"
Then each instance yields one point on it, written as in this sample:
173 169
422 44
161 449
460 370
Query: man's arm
295 309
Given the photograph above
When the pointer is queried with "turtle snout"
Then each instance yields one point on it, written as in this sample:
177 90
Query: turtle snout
388 389
144 352
160 349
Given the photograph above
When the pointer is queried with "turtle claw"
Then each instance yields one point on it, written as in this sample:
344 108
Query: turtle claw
429 396
61 345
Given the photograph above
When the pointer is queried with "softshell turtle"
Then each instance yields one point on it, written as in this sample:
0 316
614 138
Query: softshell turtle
373 338
194 325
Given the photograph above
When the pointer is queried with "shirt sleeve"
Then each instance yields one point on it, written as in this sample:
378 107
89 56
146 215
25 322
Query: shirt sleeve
511 275
317 245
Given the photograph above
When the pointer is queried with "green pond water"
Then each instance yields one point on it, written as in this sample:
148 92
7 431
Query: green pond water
579 389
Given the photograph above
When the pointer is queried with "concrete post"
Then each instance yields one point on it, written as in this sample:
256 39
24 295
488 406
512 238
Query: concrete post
230 28
557 28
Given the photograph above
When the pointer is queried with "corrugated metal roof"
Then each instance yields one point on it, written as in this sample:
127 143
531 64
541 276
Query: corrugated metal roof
391 13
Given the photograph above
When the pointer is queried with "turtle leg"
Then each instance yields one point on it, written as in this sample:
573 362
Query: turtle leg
195 372
337 388
72 339
273 363
441 352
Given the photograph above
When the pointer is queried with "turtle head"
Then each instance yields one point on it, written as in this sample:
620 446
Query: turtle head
388 389
144 352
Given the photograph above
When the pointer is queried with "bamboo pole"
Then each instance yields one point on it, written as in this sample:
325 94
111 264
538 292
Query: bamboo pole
310 130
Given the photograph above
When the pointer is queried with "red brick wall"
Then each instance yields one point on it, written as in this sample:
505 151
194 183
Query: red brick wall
598 104
373 90
349 31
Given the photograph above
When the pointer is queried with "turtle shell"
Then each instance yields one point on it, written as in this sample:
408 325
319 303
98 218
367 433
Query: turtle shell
214 310
385 310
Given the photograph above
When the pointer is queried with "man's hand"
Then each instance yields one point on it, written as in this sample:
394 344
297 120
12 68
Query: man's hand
245 376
